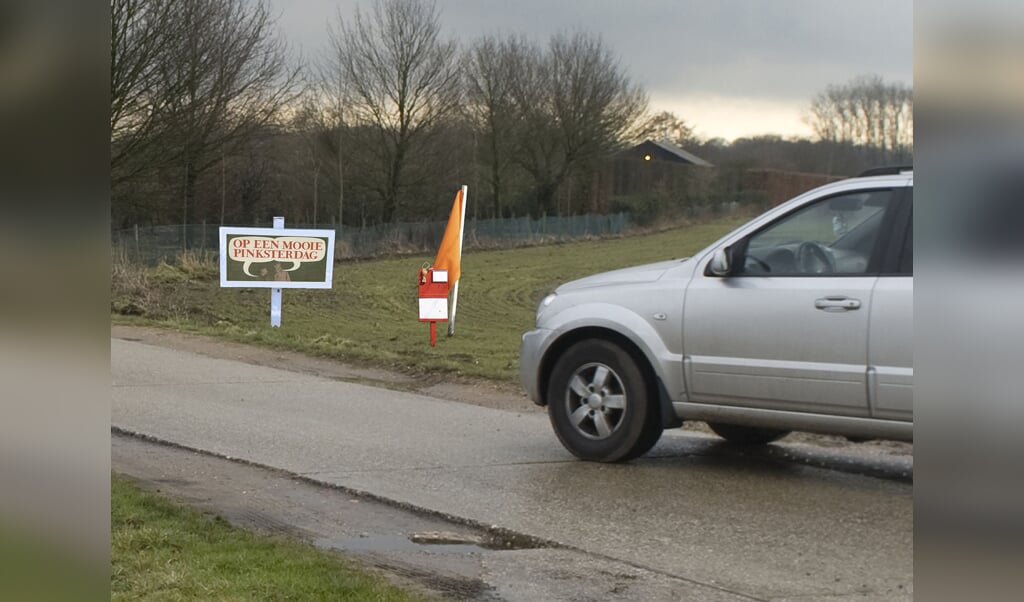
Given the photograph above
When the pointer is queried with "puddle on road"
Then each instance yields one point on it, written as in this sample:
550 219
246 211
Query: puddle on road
429 542
396 543
439 560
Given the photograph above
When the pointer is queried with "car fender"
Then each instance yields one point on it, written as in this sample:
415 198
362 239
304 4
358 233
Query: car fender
666 365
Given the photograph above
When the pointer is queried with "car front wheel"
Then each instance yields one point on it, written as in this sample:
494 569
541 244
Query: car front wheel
599 404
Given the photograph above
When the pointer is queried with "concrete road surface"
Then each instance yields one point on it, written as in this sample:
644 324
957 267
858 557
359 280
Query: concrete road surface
793 523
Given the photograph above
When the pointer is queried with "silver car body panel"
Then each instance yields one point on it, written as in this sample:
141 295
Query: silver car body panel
891 349
650 272
640 304
762 343
707 338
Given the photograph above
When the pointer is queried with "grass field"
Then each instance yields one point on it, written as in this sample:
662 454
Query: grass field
163 551
370 315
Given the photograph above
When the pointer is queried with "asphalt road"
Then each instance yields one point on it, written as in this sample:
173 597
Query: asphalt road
792 523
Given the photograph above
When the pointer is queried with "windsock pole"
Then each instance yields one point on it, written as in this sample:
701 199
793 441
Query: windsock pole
462 231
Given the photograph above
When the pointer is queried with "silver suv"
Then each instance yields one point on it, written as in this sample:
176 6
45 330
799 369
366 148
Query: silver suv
800 320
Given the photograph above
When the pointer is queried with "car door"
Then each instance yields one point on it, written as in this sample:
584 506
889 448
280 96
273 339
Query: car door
890 373
787 328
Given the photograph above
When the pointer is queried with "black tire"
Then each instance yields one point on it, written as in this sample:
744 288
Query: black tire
595 427
746 435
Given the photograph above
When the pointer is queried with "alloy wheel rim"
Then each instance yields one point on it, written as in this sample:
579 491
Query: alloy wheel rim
595 400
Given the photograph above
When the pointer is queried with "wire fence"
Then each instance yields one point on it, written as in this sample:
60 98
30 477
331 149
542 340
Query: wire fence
152 244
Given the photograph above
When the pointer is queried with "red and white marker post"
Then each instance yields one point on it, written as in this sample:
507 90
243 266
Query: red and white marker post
433 297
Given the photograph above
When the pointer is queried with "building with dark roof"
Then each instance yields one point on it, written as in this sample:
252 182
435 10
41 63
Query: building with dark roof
650 150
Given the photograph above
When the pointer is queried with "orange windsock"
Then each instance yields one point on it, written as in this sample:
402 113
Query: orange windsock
449 255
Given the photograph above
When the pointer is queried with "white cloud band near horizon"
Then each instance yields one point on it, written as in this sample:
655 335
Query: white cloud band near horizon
731 117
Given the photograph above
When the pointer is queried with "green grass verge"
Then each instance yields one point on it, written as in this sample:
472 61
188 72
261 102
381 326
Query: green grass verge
369 316
163 551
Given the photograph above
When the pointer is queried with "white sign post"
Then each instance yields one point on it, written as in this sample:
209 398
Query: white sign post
276 258
275 293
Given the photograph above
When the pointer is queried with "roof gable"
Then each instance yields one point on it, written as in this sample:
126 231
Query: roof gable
665 150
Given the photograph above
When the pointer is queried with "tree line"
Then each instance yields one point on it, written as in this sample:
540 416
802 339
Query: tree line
212 121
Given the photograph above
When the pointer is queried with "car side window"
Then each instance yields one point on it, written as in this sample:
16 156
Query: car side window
836 235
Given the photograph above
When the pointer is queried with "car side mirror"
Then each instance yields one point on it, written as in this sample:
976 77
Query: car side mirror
719 265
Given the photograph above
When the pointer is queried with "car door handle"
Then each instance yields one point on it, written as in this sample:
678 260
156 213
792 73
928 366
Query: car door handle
836 303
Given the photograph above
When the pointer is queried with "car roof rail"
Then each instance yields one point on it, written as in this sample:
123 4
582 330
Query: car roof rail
888 170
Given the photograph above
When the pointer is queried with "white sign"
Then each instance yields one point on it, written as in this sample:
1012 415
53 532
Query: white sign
276 258
434 309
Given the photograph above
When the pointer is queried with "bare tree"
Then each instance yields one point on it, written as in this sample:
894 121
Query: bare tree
318 122
190 81
663 126
400 81
575 105
866 111
490 67
141 32
326 103
306 125
231 68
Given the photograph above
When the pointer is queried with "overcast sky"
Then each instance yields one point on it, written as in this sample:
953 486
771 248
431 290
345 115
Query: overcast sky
728 68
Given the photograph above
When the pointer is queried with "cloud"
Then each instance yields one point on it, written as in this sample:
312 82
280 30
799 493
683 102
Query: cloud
754 51
731 117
